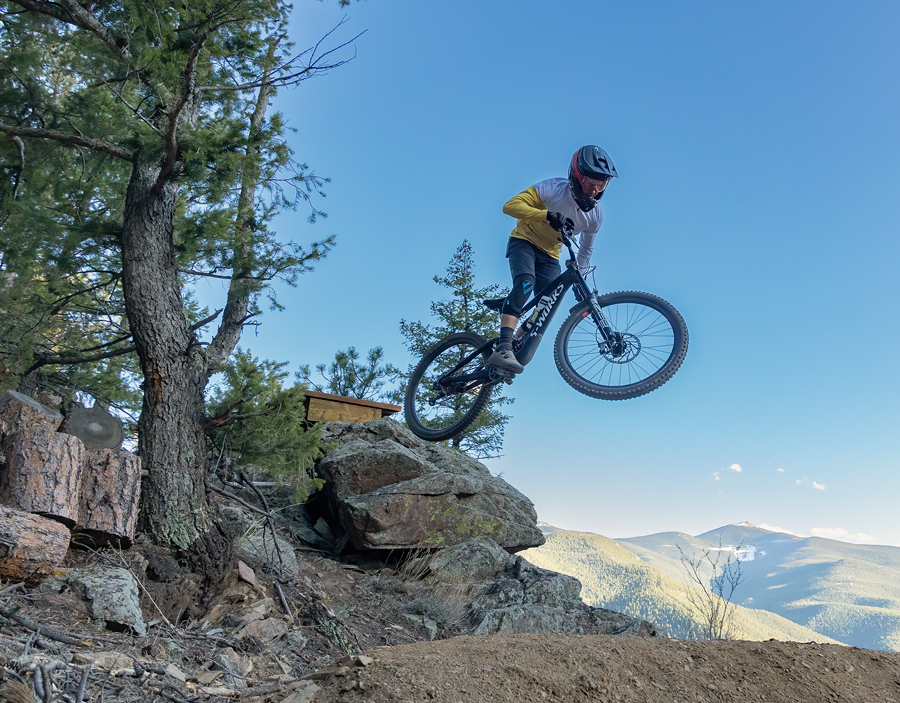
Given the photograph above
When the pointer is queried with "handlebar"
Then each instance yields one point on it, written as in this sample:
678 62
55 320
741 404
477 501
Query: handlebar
566 238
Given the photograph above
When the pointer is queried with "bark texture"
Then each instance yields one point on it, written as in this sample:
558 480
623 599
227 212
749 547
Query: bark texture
42 473
31 547
18 411
174 507
109 498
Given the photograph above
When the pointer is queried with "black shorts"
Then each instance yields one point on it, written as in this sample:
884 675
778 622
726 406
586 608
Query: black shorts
525 258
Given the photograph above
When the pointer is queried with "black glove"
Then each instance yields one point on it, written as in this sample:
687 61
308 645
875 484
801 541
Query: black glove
561 223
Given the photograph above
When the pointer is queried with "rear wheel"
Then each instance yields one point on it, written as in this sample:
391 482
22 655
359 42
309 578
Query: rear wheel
438 405
650 340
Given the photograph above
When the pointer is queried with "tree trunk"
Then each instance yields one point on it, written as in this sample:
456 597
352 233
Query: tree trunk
108 498
31 547
42 472
172 447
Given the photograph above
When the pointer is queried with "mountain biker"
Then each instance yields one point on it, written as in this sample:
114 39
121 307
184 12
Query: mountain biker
543 212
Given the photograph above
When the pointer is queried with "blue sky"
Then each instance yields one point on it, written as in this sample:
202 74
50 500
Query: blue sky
759 158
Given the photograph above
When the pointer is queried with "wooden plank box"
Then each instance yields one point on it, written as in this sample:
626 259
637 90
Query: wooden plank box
324 407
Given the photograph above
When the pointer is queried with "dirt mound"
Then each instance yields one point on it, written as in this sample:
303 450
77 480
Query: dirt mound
545 668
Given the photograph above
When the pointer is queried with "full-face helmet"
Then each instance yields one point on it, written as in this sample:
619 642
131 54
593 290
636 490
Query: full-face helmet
593 163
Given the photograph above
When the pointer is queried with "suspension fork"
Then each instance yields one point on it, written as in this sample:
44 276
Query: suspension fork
582 293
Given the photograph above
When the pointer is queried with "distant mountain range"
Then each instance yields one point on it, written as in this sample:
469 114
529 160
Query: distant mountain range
794 588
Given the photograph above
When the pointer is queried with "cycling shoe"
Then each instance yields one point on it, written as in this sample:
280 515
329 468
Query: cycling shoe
506 360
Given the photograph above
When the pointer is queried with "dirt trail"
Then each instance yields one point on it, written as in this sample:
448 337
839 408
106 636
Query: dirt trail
570 669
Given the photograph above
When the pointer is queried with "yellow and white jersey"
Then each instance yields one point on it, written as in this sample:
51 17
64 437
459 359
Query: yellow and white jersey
530 208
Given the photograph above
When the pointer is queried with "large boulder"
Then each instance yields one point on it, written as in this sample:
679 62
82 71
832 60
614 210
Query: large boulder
395 491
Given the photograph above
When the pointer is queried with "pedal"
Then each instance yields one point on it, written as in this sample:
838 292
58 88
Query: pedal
500 375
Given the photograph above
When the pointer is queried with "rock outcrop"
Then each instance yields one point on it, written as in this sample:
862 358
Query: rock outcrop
395 491
392 491
507 595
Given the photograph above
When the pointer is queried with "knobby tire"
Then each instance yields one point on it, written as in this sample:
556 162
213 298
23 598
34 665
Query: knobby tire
656 331
453 413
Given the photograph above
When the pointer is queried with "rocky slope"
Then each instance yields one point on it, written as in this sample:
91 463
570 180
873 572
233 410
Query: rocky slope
394 587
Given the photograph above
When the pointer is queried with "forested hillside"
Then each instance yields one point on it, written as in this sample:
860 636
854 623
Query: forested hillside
615 578
850 592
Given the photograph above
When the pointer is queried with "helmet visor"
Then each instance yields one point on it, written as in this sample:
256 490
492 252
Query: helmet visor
593 187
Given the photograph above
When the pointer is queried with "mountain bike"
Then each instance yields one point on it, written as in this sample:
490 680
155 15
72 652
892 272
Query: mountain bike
613 347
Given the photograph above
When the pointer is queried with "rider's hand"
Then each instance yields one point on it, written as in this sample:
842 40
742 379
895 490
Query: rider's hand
561 223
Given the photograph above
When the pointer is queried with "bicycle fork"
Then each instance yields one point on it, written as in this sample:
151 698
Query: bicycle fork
613 341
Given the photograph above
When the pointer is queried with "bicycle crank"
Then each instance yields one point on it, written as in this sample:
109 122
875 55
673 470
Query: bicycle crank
496 375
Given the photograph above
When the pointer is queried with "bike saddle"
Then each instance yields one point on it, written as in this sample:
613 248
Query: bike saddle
494 304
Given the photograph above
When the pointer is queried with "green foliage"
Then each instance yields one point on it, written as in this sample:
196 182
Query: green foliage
463 311
254 421
140 156
348 377
61 203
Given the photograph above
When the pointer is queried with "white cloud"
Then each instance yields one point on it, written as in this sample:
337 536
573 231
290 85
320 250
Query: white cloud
715 475
779 471
815 484
736 468
842 535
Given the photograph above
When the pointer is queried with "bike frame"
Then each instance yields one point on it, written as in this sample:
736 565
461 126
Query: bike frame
550 299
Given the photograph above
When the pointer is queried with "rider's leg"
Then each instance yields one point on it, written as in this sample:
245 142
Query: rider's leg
503 356
521 255
546 268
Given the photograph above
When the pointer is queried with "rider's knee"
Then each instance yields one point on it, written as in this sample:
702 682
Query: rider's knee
523 285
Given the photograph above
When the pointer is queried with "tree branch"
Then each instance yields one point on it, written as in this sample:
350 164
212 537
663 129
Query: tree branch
189 82
68 360
18 179
99 145
72 13
61 302
313 67
239 291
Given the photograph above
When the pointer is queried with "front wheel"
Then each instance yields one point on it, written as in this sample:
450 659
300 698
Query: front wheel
438 405
649 340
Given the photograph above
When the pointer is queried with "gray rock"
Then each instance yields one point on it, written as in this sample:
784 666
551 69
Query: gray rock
235 667
112 596
304 692
296 639
257 547
610 622
422 625
543 587
394 491
500 594
529 620
478 559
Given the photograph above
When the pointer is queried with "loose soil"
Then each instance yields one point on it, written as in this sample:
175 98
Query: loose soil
545 668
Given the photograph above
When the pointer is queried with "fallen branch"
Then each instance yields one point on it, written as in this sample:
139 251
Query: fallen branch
241 501
284 602
48 632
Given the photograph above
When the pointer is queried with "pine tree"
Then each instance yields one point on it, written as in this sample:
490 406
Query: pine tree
463 311
348 377
140 133
255 422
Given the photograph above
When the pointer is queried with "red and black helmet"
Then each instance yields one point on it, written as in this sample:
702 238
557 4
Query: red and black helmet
593 162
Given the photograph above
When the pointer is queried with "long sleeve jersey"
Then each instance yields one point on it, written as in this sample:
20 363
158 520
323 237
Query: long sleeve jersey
530 209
